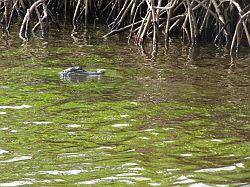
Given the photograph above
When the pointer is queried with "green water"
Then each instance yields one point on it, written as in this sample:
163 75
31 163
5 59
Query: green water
180 119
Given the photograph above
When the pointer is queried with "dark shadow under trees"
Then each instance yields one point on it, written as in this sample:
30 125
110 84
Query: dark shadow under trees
225 22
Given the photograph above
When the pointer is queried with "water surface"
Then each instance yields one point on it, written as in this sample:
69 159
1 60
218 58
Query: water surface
180 119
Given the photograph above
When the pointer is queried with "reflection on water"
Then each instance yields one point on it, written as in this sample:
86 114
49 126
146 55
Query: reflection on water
16 159
16 183
80 78
3 151
227 168
180 118
15 107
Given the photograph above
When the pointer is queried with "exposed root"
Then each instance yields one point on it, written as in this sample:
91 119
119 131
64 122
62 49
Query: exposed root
225 22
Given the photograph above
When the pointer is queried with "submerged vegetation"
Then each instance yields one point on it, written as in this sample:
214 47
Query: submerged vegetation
169 122
225 22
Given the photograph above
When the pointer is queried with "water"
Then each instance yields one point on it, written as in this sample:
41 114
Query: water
180 119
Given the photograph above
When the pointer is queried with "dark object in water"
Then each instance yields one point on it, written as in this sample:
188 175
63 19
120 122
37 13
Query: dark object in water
78 73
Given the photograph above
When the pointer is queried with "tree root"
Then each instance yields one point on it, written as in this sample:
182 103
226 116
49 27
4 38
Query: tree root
225 22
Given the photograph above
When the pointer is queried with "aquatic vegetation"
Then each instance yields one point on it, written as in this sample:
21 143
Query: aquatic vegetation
171 121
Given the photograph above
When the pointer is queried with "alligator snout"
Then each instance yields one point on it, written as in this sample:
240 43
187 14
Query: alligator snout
78 72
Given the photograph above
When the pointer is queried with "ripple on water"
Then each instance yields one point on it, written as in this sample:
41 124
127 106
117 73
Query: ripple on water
2 113
144 138
124 115
38 122
120 125
136 169
107 147
16 183
240 165
128 180
129 164
127 174
73 155
216 140
154 184
4 129
187 154
3 151
199 185
14 131
27 181
184 180
15 159
227 168
67 172
73 126
15 107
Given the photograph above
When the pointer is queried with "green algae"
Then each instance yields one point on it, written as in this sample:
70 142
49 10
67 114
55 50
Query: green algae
142 123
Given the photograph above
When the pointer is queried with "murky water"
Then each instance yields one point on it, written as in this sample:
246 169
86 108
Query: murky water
181 119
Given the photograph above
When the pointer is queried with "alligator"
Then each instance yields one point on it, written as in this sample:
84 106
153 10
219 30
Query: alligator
78 73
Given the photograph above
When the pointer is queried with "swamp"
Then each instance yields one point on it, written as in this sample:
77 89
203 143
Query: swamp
171 109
